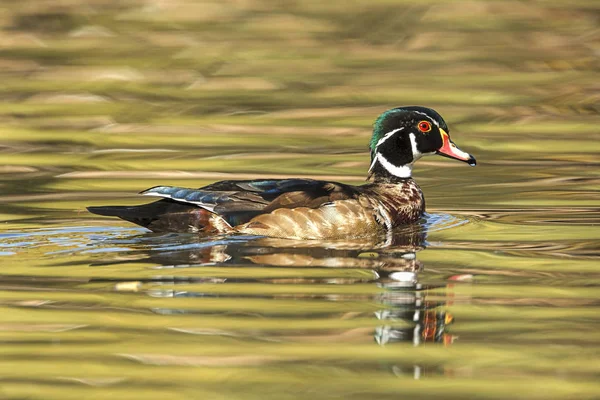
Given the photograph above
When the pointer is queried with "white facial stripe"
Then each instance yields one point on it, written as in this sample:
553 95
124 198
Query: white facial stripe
413 144
402 171
386 137
429 118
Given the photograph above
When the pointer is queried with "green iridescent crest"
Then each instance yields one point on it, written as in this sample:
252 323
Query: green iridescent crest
378 130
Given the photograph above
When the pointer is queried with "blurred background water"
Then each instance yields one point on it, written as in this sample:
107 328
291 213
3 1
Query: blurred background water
494 295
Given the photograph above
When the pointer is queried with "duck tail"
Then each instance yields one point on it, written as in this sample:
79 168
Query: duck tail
168 216
141 215
110 211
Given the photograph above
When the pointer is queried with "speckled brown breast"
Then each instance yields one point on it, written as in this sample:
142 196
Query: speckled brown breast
403 200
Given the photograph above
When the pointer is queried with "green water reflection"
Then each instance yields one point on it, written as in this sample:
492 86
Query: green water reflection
494 295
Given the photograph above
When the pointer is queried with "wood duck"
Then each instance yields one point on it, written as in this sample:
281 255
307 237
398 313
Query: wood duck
307 208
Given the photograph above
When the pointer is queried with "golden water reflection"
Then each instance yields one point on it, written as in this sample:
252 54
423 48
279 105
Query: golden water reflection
103 100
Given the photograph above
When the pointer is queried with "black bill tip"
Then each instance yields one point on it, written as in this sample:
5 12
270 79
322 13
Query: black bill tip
472 161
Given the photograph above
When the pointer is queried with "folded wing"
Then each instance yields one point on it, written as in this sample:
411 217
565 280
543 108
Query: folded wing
234 202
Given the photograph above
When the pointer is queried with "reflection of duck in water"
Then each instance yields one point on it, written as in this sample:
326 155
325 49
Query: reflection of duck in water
407 314
421 320
306 208
385 274
393 253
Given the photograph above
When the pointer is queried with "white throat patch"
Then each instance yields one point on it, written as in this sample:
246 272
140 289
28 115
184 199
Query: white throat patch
401 171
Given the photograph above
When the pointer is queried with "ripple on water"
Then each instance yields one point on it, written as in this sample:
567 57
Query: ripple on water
441 221
177 302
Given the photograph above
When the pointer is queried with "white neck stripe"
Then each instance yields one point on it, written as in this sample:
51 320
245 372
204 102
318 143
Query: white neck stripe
402 171
386 137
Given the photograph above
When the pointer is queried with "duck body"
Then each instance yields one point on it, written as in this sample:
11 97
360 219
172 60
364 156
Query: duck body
307 208
287 208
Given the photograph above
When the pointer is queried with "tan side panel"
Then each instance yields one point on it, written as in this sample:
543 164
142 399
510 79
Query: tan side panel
339 220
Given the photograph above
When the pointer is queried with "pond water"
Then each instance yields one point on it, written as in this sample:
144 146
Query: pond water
494 294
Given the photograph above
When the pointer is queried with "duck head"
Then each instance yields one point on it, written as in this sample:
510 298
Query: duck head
403 135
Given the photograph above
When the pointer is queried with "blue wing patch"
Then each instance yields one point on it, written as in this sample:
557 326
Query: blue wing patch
207 200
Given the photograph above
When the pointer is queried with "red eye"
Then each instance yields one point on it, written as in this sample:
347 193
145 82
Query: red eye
424 126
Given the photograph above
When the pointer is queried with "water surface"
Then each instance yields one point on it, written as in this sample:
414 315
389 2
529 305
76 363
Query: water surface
493 295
